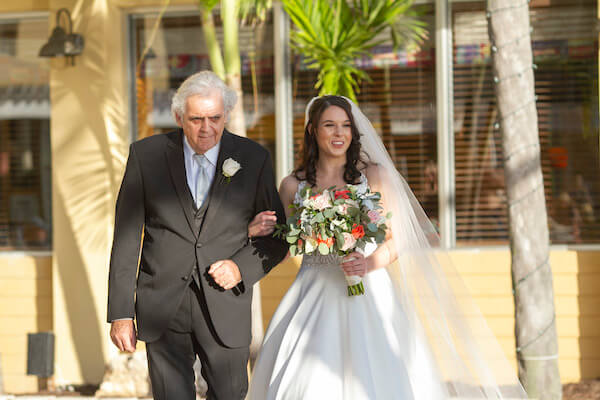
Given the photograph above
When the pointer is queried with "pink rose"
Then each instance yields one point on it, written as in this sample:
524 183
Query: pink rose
374 216
349 242
321 202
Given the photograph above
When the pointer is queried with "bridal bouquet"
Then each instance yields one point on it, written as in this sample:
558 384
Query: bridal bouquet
335 222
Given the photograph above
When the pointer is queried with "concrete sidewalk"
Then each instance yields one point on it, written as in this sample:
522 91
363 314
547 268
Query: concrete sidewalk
51 397
70 397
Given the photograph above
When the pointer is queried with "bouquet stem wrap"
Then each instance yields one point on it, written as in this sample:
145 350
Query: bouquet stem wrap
355 285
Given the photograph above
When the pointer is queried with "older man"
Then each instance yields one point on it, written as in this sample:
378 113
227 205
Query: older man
192 193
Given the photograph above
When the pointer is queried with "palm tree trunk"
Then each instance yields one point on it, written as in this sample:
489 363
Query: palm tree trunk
211 42
237 124
535 327
233 63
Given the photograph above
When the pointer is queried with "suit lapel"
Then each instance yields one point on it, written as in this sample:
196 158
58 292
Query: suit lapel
176 163
219 186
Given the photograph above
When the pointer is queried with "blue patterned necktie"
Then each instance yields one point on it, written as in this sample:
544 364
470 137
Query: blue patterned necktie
202 179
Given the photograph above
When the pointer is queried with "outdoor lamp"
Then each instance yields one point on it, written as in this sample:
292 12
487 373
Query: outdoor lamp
61 42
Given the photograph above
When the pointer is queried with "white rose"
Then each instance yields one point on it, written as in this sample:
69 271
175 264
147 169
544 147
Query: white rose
230 167
310 245
343 208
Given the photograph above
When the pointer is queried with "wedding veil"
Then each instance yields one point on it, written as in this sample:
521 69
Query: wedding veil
448 343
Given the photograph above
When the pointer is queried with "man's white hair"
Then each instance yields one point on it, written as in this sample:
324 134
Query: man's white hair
202 84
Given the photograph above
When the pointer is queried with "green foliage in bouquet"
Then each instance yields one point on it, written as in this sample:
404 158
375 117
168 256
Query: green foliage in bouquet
334 221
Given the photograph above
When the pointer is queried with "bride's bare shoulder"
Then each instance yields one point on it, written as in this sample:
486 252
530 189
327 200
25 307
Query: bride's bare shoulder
371 171
290 182
288 187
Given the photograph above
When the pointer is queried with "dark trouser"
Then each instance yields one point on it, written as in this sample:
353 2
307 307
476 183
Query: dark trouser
171 358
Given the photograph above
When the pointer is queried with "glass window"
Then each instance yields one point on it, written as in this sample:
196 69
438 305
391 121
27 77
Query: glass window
400 102
178 50
25 186
565 49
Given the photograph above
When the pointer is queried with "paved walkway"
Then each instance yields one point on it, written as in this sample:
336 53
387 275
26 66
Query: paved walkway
73 397
47 397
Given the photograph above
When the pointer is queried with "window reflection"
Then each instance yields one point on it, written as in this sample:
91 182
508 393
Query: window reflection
565 50
25 179
178 50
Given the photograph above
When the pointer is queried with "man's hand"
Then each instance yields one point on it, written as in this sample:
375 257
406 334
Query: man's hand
123 335
263 224
226 273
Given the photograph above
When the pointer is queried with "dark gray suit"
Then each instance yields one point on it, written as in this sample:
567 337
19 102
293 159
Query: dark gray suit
178 307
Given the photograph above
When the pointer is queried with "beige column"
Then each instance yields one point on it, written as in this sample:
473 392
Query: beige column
90 135
90 138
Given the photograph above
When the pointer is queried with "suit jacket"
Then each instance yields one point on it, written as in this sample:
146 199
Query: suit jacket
155 199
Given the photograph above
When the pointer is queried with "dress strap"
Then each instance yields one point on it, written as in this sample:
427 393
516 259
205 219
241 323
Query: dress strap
297 198
364 183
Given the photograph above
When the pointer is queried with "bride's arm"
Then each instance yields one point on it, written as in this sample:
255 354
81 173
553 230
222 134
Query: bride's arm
383 256
357 264
386 251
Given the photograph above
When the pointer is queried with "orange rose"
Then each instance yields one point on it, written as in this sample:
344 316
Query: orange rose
342 194
328 242
358 231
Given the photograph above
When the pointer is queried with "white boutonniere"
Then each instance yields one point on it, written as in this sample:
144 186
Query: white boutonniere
230 168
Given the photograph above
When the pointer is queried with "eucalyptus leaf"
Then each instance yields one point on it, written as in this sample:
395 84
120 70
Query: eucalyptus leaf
319 218
324 234
340 239
353 211
292 239
329 213
323 249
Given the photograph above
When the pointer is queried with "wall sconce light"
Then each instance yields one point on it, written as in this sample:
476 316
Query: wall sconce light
63 43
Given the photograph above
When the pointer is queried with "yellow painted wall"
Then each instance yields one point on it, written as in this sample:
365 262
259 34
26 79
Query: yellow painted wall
25 307
24 5
486 274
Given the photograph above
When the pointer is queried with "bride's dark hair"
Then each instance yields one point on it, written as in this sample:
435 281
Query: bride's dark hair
310 151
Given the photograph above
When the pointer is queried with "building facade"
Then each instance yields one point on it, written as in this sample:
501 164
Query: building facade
65 130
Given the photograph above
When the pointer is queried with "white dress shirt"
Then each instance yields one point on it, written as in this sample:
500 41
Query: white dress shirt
192 167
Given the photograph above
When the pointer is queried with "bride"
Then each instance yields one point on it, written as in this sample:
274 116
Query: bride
415 334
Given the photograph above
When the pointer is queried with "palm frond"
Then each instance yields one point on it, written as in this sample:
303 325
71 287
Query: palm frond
208 5
332 34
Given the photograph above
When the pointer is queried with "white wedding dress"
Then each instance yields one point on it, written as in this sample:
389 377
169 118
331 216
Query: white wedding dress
323 344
